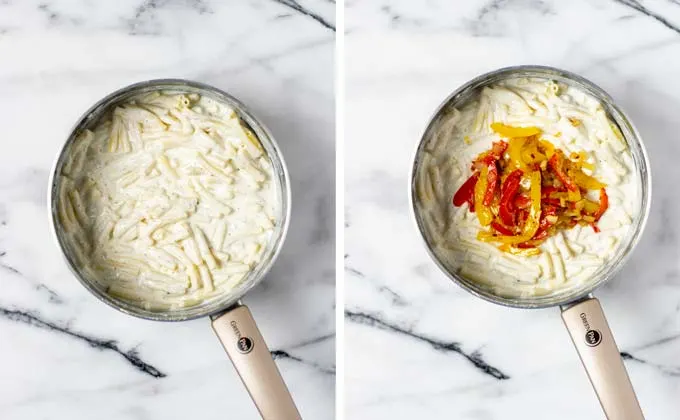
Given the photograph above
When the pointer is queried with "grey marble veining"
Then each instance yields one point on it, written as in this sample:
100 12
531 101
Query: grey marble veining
62 352
422 347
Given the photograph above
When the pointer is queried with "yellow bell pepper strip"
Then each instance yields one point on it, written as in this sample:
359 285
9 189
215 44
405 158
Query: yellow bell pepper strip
577 156
485 236
533 221
587 165
515 152
531 155
526 252
584 181
484 213
510 132
590 207
578 206
548 148
574 195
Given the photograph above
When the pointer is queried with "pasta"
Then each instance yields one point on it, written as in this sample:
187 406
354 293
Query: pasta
168 200
570 119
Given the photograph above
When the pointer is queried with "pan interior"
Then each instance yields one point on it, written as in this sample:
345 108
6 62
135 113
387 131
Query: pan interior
280 182
548 297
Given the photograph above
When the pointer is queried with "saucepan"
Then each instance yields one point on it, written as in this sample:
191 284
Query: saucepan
232 321
581 312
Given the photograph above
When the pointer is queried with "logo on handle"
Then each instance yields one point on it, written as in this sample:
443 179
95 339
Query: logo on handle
243 344
592 337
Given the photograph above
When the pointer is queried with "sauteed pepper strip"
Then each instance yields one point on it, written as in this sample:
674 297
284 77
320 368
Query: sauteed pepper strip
585 181
604 204
466 192
501 229
533 221
508 192
484 213
510 132
555 163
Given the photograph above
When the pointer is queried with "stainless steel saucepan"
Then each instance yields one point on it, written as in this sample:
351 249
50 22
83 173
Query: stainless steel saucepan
232 321
581 312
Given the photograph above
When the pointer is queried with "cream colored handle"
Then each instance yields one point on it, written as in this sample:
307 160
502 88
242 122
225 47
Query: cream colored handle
600 356
243 342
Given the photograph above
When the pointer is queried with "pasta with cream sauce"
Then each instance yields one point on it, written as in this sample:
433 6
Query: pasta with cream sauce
570 119
168 200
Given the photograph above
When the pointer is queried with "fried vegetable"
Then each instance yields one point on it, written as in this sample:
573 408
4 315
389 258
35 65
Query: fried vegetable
466 192
557 164
532 223
510 132
509 190
484 213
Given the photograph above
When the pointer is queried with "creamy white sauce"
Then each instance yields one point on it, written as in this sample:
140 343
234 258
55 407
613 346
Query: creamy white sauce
570 257
168 200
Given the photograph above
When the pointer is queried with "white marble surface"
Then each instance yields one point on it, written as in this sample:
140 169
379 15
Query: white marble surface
417 345
61 350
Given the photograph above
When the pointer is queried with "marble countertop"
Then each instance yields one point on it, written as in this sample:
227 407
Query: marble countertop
63 354
417 345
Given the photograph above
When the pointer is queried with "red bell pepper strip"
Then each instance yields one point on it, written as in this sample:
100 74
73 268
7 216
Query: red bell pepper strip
508 191
522 201
491 184
542 231
595 228
466 192
555 163
604 204
544 225
501 229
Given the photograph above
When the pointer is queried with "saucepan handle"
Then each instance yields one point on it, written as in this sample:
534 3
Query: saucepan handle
248 352
600 356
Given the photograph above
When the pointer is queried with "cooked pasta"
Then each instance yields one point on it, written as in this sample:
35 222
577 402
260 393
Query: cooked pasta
570 119
168 200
